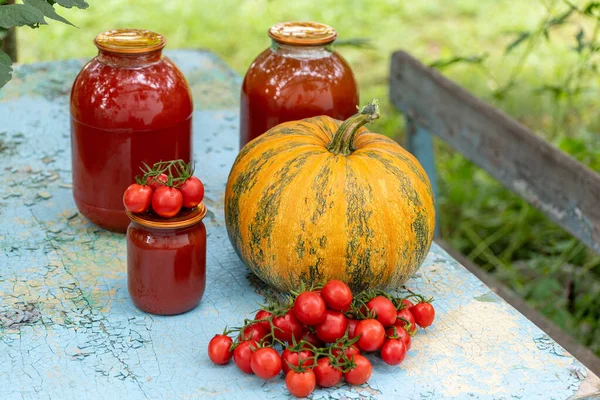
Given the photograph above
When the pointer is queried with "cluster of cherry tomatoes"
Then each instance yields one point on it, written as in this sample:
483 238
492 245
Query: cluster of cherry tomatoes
323 334
167 186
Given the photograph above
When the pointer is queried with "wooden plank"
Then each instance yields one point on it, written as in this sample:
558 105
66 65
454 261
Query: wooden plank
420 144
556 184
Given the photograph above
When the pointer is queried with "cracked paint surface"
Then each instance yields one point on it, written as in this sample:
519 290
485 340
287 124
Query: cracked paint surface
68 329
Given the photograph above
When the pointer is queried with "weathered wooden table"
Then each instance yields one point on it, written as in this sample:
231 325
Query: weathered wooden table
68 329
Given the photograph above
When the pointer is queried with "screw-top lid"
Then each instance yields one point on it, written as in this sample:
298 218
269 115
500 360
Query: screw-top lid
130 41
302 33
183 219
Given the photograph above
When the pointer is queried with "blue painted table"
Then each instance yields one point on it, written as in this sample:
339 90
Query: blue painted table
68 329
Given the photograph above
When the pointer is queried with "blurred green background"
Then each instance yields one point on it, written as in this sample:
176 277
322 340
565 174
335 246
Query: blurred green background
547 79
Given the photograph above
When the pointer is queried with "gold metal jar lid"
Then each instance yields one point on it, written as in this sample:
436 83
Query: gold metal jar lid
302 33
130 41
184 219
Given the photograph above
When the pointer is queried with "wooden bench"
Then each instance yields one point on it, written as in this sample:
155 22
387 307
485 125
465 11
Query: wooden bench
556 184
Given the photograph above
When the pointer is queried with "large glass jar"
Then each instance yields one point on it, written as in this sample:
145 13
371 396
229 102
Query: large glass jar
166 261
299 76
129 105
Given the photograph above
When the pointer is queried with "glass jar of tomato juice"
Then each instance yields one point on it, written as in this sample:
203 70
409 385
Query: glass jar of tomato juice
129 105
166 261
299 76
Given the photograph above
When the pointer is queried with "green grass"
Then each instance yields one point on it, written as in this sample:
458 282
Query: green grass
492 226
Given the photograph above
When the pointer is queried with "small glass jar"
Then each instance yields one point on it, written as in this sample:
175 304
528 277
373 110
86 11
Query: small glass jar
129 105
166 261
299 76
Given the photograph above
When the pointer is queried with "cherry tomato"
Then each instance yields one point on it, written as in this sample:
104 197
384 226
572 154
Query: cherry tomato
333 326
300 384
384 310
360 373
254 332
263 314
157 181
309 308
289 357
424 314
288 326
372 334
406 303
327 375
192 192
401 334
393 351
311 337
166 201
350 351
352 327
218 349
404 314
137 198
266 363
242 355
337 295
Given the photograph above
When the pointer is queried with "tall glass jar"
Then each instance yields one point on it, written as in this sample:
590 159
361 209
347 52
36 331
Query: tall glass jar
299 76
166 261
129 105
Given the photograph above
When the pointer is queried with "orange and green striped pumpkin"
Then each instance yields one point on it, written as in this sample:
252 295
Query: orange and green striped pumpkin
321 199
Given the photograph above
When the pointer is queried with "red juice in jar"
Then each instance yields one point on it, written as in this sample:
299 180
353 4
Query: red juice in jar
299 76
129 105
166 261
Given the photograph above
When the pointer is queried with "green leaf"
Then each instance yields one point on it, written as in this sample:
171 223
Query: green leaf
473 59
47 9
520 39
5 67
72 3
19 15
580 42
561 19
591 7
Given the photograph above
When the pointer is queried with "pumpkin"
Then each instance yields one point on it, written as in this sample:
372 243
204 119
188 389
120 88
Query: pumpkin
321 199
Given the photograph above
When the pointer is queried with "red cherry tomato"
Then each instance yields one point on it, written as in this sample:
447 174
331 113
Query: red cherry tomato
424 314
265 315
326 374
372 334
384 310
404 314
137 198
350 351
266 363
218 349
166 201
406 303
311 337
401 334
393 351
360 373
300 384
157 181
254 332
337 295
192 192
309 308
289 357
287 326
333 326
352 327
242 355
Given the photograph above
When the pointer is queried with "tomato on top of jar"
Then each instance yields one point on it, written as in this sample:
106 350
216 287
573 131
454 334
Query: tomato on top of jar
166 239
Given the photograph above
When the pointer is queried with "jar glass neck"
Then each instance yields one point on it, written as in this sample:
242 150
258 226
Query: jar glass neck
129 60
293 50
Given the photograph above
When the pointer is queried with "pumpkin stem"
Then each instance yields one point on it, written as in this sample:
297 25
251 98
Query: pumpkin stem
343 140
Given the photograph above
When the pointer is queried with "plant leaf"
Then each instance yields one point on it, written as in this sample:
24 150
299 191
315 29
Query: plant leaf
47 9
591 7
580 42
72 3
520 39
19 15
473 59
561 19
5 67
